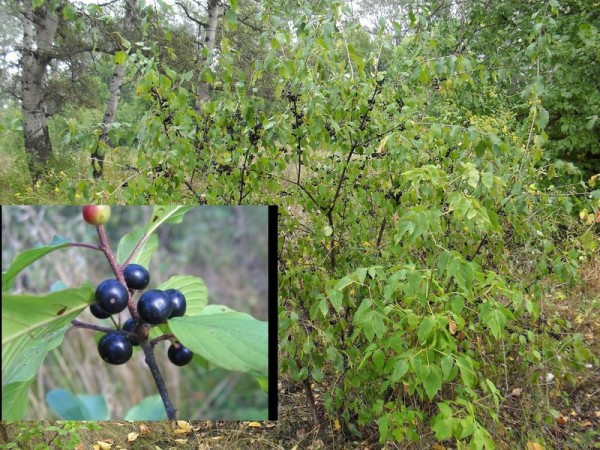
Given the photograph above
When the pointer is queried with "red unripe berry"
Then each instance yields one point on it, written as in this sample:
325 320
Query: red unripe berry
96 214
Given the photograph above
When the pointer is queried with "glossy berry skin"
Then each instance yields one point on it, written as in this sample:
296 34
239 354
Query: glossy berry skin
96 214
115 348
154 307
130 325
136 277
178 302
112 296
179 355
98 312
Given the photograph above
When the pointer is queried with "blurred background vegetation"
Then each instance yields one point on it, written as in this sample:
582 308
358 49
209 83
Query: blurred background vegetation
226 246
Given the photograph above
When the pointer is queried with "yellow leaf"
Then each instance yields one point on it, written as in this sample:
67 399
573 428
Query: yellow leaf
336 425
254 424
104 445
132 437
534 446
181 441
382 143
143 429
590 219
184 427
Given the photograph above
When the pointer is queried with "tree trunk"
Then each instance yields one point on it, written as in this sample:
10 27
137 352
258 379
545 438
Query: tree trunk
215 10
114 94
39 29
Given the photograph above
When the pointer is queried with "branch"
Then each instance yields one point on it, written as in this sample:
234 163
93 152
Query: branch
89 326
158 379
189 16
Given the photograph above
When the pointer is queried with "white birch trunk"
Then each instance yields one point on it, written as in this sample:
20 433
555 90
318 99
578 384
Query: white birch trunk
39 30
114 94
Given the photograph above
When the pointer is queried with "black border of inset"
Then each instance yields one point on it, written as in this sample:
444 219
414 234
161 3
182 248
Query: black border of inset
273 314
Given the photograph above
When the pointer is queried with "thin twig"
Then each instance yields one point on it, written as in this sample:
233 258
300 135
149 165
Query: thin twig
89 326
80 244
164 337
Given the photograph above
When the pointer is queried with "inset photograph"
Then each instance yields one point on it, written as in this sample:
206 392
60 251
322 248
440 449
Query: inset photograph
137 313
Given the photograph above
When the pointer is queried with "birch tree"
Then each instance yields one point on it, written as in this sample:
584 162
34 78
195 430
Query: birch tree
116 81
39 30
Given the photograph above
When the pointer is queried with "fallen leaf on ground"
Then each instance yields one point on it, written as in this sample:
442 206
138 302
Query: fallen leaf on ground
132 437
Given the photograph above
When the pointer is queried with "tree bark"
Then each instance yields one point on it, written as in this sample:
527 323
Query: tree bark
39 30
215 10
114 94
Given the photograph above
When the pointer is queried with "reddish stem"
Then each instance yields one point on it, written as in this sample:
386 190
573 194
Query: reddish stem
118 270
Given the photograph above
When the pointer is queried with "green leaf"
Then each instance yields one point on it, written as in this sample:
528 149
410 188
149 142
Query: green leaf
15 399
96 404
494 318
31 327
193 288
336 298
465 364
378 358
26 258
542 118
400 369
151 408
442 426
425 328
77 407
446 364
341 284
433 382
234 341
120 58
166 214
144 252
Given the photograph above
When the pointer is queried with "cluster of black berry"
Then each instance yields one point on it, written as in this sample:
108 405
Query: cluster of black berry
154 307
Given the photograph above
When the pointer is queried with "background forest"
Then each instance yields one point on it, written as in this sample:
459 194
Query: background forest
437 168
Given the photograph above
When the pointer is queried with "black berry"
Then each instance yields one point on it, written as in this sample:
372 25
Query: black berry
178 302
136 277
154 307
112 296
129 326
179 355
98 312
115 348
